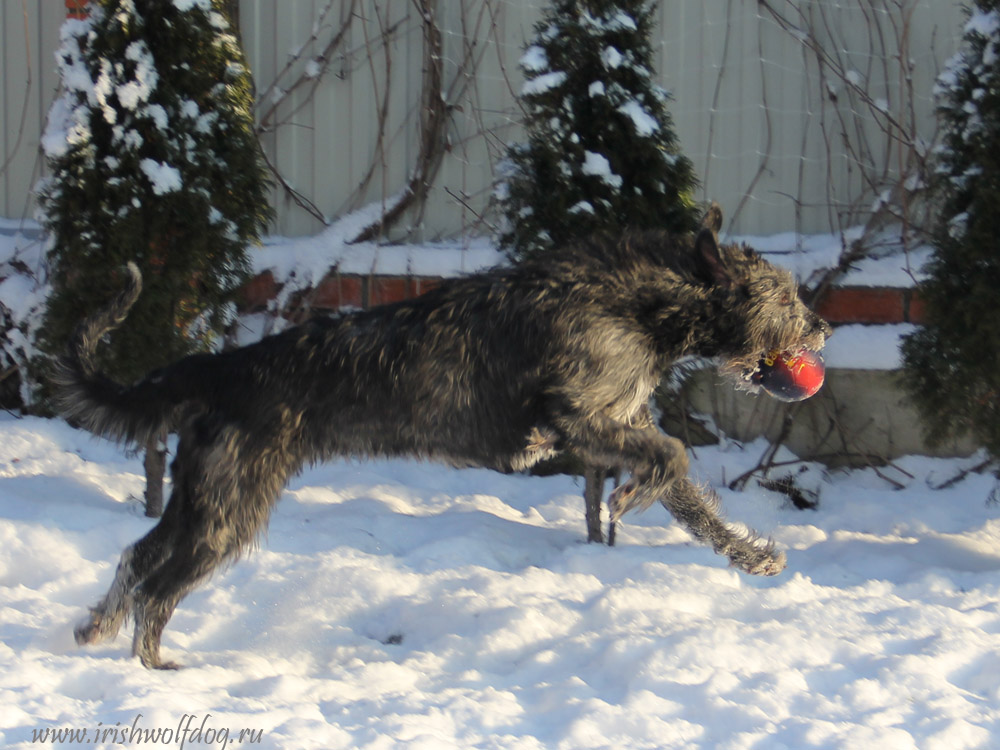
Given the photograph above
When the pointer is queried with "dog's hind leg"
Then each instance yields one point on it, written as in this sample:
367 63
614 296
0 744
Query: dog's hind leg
156 598
225 483
106 617
193 556
659 467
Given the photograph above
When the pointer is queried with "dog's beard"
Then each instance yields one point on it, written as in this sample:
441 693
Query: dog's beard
743 372
743 369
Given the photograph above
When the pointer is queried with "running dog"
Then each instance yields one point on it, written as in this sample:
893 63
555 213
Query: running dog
501 369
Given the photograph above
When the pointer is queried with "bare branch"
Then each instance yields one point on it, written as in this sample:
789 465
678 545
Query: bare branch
434 120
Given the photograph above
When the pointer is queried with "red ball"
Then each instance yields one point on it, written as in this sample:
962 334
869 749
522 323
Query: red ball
791 376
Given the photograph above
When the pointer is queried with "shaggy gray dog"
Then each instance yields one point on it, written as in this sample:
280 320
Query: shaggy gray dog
500 369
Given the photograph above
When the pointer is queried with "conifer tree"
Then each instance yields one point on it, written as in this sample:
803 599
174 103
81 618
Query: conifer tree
952 364
152 158
601 153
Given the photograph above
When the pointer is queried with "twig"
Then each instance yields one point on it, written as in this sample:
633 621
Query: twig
978 468
869 458
766 461
434 120
299 199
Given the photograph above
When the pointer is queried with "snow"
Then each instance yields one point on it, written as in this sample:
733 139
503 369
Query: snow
163 177
611 57
405 605
598 165
645 124
133 92
301 263
895 271
16 294
890 264
621 20
534 59
803 255
313 69
985 23
61 131
185 5
543 83
309 259
865 347
66 126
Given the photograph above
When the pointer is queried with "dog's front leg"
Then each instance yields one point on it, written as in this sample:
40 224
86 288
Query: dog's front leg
697 509
659 467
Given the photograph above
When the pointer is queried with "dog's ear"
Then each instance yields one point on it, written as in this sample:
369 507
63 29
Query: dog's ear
709 264
713 219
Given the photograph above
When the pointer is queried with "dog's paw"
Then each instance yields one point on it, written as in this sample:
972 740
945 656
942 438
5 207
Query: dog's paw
621 499
91 630
770 566
83 633
166 666
153 661
762 562
635 494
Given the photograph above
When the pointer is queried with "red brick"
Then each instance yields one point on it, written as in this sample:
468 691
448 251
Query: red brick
386 289
838 305
426 283
76 9
862 305
337 291
916 311
259 291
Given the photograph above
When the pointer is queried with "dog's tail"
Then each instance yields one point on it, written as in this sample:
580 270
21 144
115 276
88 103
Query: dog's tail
92 400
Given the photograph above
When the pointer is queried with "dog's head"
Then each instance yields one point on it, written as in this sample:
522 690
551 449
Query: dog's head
760 305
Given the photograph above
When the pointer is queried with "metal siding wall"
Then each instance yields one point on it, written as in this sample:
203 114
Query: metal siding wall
761 144
723 61
485 113
29 33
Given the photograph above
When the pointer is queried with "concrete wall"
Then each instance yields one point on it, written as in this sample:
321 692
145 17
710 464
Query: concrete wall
858 417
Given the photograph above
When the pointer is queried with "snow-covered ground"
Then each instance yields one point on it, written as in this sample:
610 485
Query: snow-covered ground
406 605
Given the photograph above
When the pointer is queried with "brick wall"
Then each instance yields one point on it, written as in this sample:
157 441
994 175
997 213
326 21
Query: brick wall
875 305
338 290
870 305
76 8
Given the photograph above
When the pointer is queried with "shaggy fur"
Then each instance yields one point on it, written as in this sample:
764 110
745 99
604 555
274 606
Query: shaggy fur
500 369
